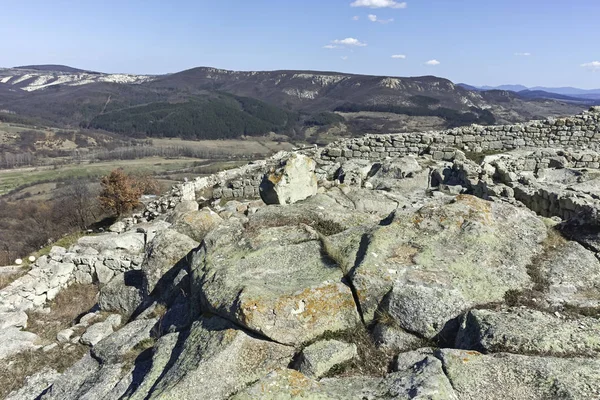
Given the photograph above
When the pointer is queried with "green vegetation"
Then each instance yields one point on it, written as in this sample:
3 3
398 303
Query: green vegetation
323 119
216 117
424 101
452 117
18 178
65 241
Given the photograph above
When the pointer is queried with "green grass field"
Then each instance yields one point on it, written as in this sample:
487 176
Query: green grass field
14 178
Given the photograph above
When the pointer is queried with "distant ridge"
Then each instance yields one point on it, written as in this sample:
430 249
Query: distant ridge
569 94
55 68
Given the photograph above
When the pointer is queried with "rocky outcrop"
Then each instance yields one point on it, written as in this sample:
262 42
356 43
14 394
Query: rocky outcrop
402 278
274 281
425 268
217 360
166 260
528 332
292 182
511 376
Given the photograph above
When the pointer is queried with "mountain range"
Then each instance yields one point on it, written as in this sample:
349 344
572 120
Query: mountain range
587 94
215 103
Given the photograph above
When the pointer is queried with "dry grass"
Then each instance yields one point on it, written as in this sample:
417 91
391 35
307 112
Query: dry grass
69 304
7 279
15 370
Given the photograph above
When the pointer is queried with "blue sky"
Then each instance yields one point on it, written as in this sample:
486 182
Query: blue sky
532 42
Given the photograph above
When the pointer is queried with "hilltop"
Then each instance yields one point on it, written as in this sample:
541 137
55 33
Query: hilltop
383 267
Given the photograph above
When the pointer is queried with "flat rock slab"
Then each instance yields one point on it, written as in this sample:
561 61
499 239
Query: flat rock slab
98 331
322 212
114 347
14 341
35 385
17 319
290 384
274 281
528 332
506 376
573 275
128 242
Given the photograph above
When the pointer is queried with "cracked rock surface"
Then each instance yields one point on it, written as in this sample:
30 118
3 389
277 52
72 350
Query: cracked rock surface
408 278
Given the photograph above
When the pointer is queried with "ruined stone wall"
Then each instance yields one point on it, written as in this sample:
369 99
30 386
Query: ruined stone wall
580 132
577 132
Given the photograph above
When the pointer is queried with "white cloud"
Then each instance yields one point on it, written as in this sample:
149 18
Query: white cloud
344 58
355 18
594 65
400 56
373 18
432 62
331 46
378 4
523 54
348 42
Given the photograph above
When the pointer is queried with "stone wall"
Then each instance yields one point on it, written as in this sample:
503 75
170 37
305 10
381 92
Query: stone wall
580 132
550 182
577 132
61 268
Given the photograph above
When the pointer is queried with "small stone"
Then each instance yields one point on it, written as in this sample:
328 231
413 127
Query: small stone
50 347
96 333
64 336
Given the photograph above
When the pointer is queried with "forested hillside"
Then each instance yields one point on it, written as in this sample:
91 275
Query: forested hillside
216 117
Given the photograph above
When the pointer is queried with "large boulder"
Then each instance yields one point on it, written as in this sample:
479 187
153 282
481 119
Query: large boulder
166 258
528 332
389 172
274 281
424 268
295 180
123 294
196 224
506 376
217 360
354 172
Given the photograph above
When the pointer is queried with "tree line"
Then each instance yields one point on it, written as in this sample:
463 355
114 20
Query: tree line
452 117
